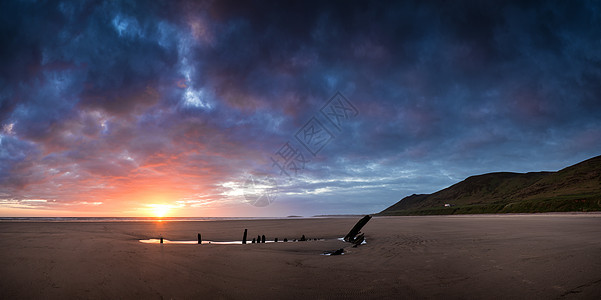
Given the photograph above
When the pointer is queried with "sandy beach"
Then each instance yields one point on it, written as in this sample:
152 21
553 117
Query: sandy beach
542 256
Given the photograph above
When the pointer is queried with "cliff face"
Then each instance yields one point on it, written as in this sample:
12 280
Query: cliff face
575 188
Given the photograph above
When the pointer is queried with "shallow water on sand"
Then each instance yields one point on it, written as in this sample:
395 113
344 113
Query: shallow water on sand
165 241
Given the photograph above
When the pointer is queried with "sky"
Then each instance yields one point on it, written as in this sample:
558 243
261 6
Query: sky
276 108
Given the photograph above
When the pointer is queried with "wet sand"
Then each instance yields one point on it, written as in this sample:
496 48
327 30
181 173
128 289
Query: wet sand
543 256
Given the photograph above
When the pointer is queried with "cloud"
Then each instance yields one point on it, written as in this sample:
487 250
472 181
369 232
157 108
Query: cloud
126 102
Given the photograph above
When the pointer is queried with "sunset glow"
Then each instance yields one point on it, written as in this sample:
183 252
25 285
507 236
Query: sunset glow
160 210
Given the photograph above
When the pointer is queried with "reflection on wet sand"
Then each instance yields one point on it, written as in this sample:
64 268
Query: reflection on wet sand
166 241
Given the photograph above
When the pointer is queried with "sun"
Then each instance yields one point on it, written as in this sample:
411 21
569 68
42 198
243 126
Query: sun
160 210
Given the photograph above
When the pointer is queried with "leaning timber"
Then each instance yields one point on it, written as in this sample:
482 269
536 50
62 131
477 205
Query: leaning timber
352 235
358 240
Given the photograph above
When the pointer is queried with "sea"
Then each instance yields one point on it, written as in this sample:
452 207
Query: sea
130 219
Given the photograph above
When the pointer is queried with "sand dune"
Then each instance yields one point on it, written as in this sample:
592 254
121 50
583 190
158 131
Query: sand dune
494 256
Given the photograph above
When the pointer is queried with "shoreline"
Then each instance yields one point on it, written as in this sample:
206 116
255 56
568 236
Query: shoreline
213 219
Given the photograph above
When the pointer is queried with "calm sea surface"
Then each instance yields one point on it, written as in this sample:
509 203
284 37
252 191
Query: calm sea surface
126 219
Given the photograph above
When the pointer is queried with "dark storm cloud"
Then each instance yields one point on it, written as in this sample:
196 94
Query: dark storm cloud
104 93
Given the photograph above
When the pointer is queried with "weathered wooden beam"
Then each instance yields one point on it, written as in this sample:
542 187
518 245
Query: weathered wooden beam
338 252
358 240
199 239
350 237
334 252
244 236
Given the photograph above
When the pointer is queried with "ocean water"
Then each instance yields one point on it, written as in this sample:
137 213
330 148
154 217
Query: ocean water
128 219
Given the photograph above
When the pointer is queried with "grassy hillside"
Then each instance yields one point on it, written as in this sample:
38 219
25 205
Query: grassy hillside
575 188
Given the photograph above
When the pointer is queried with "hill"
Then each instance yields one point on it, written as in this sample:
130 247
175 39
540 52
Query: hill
575 188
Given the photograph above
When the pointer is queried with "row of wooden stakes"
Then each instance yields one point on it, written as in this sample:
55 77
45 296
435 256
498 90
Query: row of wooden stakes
259 239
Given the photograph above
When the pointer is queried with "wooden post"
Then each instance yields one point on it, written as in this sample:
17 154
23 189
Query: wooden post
253 241
263 239
275 240
258 239
285 240
199 239
161 240
244 237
